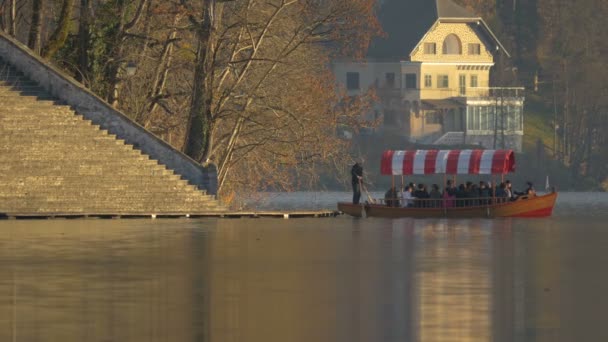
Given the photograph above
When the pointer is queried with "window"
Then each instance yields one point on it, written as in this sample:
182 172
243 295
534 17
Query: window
451 45
474 49
390 79
428 81
443 81
462 84
474 81
410 81
352 81
430 48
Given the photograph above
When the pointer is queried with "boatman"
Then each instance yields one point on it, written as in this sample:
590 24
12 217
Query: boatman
357 177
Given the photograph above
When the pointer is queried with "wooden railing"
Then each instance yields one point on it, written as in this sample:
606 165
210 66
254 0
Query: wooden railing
448 202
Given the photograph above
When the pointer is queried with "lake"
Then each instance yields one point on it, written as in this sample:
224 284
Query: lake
326 279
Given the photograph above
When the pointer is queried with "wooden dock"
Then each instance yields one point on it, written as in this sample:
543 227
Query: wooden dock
220 214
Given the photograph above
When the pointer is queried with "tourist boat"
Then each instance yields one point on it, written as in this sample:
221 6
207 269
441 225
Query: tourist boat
452 163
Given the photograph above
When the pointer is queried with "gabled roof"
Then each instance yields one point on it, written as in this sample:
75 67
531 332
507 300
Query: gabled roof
405 23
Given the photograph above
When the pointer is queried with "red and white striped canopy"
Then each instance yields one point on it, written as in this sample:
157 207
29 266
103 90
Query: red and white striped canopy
452 162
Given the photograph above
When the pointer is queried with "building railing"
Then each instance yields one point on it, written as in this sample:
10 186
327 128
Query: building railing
466 92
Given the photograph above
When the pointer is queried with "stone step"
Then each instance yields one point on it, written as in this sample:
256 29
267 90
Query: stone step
176 194
35 112
83 156
73 168
114 199
17 86
111 199
53 127
46 122
98 168
144 208
69 135
29 101
86 152
156 192
82 177
89 152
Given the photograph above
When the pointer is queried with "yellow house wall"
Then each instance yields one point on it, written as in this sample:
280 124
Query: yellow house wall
433 92
437 35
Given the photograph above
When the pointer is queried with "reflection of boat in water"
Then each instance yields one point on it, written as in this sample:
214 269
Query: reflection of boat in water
452 162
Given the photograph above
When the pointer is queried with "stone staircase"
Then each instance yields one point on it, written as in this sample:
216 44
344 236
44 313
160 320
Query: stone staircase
55 162
451 138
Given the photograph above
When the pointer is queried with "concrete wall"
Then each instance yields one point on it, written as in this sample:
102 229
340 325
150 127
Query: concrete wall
101 113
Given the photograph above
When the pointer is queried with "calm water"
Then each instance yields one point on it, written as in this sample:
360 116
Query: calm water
334 279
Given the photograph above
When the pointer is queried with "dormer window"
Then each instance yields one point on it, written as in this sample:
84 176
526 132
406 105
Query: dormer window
474 49
451 45
430 48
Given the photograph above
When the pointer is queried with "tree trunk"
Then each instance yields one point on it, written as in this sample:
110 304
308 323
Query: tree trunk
84 36
12 19
198 138
112 76
33 41
60 35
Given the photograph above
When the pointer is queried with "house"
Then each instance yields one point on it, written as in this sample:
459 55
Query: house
432 76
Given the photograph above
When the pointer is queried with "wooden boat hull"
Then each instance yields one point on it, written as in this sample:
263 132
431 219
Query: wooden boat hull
536 206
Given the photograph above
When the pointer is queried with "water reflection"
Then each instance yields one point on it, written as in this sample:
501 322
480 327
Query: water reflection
336 279
99 281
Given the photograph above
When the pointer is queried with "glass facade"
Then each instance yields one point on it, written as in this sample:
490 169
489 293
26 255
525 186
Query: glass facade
484 118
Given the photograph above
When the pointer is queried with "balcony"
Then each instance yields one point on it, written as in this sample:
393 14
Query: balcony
468 92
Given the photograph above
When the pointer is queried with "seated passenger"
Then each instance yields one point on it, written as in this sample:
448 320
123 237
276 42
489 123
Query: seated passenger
530 189
390 197
473 195
484 193
528 192
422 196
407 200
436 195
501 193
449 194
460 195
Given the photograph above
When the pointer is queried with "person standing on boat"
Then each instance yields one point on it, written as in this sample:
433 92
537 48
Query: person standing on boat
509 190
357 178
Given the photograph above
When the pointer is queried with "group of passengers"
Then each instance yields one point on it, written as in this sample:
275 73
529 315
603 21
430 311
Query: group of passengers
464 195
